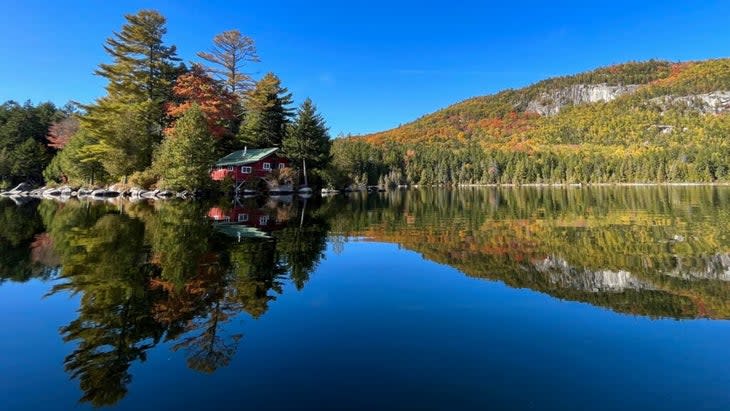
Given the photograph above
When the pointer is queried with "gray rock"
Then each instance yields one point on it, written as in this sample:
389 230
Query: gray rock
20 188
715 102
149 194
550 103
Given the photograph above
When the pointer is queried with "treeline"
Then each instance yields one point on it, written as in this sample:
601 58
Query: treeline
663 132
27 139
161 123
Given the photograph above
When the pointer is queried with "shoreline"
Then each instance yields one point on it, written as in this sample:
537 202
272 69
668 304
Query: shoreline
558 185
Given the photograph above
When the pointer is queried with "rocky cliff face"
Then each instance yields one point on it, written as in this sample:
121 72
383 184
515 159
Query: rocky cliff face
550 103
564 276
708 103
714 267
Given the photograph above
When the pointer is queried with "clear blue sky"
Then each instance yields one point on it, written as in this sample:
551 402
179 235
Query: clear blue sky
368 65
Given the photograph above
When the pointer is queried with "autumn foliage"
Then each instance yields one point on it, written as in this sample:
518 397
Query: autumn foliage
218 105
61 131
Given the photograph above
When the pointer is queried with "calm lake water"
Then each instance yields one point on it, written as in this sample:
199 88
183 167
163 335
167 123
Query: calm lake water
531 298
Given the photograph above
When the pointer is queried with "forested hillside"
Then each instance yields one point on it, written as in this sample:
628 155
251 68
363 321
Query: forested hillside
652 121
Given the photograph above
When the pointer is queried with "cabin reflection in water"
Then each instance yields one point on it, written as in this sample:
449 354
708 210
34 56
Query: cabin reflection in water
250 219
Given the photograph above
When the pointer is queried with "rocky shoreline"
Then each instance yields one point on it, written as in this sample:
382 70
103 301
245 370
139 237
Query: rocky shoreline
25 190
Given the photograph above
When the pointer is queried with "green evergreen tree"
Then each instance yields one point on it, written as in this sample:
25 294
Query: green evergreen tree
140 81
23 151
184 158
126 147
307 143
79 165
266 114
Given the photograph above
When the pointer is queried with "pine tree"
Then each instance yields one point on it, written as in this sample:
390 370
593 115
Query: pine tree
140 80
126 147
143 64
185 156
230 53
267 114
307 142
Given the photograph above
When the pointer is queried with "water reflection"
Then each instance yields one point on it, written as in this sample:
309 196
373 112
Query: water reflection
655 251
183 272
148 273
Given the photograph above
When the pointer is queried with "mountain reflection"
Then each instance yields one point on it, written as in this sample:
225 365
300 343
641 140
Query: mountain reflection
188 273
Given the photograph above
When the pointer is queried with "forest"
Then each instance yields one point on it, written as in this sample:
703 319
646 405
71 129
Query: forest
162 123
664 131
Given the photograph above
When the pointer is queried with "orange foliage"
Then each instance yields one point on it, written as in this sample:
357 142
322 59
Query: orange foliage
217 104
60 132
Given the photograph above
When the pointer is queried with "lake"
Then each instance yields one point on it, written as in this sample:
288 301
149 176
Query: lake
600 298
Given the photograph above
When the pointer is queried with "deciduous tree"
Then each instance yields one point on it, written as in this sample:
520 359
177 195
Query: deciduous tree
196 87
185 156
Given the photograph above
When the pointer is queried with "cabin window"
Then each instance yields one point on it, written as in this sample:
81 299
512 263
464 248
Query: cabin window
281 166
263 220
246 169
242 218
227 219
267 166
230 168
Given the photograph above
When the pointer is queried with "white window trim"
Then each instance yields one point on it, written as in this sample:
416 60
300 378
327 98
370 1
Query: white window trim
242 218
230 168
267 166
264 220
246 169
282 166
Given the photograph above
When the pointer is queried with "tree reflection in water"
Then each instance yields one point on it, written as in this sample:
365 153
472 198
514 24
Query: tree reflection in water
166 272
148 273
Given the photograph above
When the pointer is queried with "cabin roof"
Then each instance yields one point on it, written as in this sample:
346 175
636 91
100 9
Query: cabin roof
240 231
246 156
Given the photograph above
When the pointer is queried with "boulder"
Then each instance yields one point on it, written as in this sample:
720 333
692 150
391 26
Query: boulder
149 194
136 192
21 188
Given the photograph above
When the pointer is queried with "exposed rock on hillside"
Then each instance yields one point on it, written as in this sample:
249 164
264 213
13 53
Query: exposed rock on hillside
550 103
709 103
565 276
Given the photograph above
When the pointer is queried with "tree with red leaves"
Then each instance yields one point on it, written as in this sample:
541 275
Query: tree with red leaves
61 131
218 105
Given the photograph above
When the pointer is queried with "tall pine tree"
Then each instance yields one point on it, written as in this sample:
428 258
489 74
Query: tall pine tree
140 80
307 142
230 53
266 114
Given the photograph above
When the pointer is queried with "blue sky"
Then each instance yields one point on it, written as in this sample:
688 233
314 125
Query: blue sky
368 65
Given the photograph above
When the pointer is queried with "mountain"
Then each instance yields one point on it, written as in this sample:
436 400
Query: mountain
651 252
653 121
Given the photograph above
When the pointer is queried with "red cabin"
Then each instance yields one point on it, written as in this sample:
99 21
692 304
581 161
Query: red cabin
247 164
